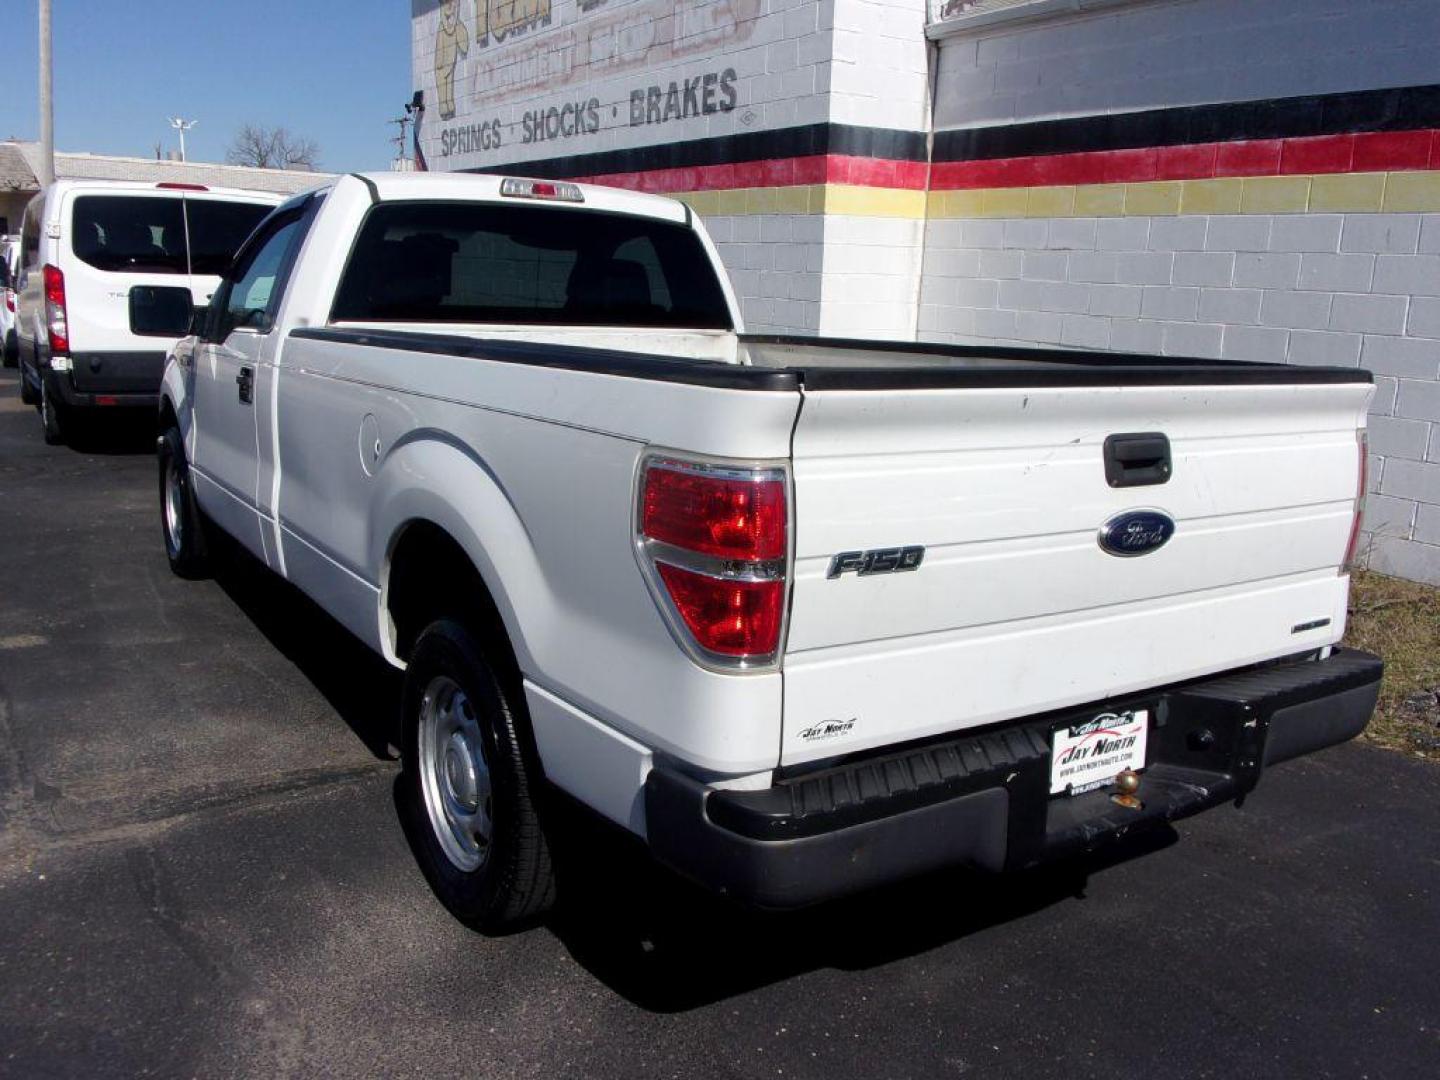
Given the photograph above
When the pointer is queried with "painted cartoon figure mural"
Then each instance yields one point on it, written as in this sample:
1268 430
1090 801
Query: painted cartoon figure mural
452 41
500 19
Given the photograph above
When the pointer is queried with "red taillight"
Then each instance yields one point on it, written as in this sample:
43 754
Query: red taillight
738 518
727 616
714 542
1361 484
10 299
55 320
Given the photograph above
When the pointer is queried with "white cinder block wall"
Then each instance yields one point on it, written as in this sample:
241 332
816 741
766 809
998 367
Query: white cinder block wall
775 262
1227 178
880 80
1335 265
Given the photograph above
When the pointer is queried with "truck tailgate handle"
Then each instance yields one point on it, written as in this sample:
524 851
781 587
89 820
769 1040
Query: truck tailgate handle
1137 459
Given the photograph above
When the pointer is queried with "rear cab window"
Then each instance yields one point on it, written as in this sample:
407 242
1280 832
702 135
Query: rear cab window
468 262
147 234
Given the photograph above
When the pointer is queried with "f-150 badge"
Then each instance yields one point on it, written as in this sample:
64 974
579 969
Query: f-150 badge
877 561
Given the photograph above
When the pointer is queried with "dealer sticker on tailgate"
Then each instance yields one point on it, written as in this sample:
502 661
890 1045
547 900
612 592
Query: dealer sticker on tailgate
1091 754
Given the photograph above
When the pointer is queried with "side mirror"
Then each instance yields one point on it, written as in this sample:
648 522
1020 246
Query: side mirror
161 310
197 322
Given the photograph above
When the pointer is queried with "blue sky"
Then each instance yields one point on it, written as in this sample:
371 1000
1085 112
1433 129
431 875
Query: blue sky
335 72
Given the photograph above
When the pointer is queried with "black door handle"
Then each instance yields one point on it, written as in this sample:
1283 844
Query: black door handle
1137 460
246 381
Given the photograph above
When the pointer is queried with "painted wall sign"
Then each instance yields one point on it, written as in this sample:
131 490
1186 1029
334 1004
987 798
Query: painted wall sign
518 79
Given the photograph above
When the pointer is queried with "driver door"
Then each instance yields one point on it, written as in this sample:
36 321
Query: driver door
239 336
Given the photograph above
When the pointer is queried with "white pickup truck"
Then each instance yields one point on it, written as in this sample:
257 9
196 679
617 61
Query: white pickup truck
806 615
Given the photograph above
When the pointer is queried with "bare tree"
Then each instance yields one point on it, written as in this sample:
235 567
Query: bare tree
272 148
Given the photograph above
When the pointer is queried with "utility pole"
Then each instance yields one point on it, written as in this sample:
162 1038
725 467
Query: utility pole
182 125
47 108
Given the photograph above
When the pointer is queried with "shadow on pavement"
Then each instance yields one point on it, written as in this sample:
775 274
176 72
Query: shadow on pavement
361 687
670 946
109 432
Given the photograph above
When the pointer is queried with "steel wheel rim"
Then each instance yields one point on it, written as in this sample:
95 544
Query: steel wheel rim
174 496
454 776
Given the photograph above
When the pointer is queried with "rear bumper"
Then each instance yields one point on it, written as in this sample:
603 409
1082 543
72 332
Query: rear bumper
134 375
62 386
983 800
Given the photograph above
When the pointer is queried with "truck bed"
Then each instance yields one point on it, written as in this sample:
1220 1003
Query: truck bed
776 362
846 363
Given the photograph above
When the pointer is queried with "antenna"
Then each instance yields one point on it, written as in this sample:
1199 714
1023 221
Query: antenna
402 160
182 125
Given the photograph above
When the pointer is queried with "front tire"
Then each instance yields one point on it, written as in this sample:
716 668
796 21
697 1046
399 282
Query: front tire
180 519
12 350
470 787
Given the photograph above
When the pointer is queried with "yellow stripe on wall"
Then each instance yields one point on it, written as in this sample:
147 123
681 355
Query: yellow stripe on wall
846 199
1395 192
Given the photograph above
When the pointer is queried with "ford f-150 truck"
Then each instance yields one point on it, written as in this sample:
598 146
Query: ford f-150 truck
806 615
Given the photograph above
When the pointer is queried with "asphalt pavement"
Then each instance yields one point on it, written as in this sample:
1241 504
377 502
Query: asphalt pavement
202 873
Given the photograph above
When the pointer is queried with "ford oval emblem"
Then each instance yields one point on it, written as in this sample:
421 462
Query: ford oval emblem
1136 532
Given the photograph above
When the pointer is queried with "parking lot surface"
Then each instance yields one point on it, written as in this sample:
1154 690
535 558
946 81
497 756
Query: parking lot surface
202 873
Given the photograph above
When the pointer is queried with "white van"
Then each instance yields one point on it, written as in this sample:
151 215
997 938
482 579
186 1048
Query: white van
9 269
110 273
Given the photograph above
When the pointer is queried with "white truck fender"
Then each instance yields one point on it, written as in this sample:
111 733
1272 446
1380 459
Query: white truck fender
175 389
430 477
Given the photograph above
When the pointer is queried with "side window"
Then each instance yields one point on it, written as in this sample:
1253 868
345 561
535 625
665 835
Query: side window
30 239
248 299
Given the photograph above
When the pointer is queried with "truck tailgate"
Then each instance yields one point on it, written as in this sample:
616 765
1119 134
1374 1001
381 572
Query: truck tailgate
1016 609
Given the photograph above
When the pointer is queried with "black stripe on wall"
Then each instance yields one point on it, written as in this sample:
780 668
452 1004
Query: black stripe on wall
1397 109
808 140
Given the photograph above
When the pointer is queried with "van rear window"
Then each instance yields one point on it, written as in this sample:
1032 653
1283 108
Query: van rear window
482 263
146 234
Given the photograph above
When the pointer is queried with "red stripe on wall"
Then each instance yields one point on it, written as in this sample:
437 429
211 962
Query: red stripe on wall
1369 152
775 172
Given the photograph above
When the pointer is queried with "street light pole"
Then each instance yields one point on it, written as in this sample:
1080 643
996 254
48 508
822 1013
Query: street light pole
182 125
47 110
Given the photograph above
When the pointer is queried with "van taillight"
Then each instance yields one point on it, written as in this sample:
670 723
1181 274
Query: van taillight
55 321
1358 521
714 544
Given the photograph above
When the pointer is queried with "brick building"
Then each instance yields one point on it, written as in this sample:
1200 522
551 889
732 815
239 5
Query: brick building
1257 181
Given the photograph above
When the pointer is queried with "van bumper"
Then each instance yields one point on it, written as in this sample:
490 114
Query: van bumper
111 379
983 800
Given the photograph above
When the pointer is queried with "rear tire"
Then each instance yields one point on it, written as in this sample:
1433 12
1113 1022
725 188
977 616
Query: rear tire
181 522
54 417
470 785
28 393
12 350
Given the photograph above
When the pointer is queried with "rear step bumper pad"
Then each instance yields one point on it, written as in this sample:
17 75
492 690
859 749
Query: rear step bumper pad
983 800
